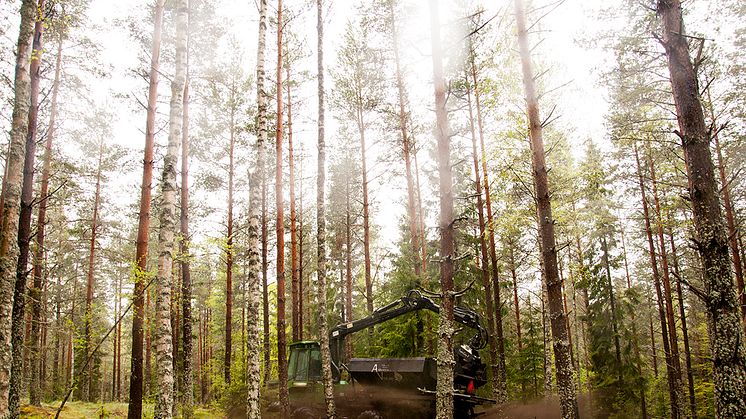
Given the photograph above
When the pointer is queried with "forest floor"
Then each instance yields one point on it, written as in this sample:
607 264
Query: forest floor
545 409
80 410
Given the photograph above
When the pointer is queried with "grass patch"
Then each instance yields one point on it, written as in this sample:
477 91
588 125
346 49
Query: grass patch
81 410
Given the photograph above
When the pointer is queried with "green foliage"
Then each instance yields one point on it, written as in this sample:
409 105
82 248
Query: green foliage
526 365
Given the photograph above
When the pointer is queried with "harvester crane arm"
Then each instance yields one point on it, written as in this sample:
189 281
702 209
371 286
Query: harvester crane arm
413 301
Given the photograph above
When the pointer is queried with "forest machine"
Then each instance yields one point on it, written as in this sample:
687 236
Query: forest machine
386 387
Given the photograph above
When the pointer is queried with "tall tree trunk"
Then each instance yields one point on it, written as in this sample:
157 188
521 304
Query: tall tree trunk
187 402
114 343
265 287
348 266
496 386
229 248
12 196
444 390
282 366
164 351
148 384
366 215
724 325
545 325
134 410
119 344
326 362
176 320
670 369
301 285
35 385
730 220
666 279
502 392
257 226
88 317
684 329
563 364
294 263
24 223
407 147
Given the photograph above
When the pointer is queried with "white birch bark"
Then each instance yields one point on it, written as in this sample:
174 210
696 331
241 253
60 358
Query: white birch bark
253 350
326 369
168 225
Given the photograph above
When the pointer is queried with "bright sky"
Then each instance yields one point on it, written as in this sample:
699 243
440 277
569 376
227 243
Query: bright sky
582 104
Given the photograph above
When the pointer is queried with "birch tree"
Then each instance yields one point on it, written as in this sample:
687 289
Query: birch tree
255 220
326 364
168 225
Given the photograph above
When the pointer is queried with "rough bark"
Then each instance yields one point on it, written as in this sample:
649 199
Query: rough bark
673 393
187 401
24 223
168 227
724 324
326 368
561 345
444 388
35 293
257 222
546 335
12 195
134 410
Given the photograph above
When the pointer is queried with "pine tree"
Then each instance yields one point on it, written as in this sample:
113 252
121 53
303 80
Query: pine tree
547 246
729 357
134 410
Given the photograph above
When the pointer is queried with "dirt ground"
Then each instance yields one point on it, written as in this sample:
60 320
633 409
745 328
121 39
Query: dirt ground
540 409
